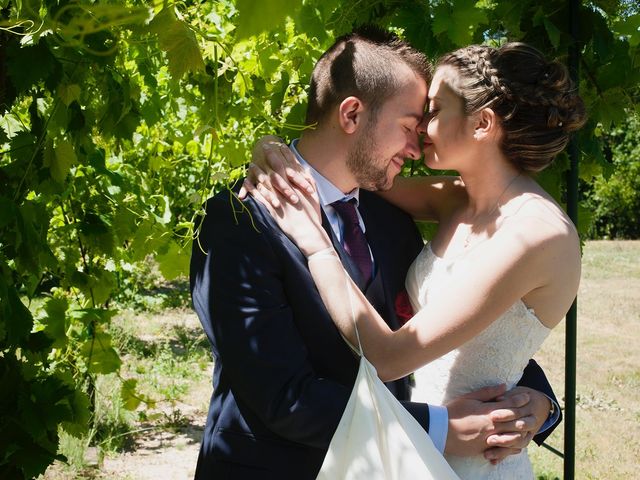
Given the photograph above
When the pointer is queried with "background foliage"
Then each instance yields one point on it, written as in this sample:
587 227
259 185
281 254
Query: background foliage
614 198
118 118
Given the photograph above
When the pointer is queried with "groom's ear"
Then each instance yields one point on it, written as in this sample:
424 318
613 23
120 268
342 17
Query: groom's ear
350 114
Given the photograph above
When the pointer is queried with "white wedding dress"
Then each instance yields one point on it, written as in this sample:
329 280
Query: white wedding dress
498 355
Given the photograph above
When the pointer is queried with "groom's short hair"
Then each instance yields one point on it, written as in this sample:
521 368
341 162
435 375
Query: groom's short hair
363 64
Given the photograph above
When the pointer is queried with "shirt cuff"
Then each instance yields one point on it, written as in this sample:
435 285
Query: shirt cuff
551 419
438 426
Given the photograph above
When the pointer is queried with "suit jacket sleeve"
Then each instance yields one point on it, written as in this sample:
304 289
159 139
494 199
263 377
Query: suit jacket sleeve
534 377
239 294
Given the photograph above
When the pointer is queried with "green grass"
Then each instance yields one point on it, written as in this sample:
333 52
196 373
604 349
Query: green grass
608 367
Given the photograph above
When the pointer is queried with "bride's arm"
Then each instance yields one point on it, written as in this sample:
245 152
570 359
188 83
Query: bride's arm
426 198
275 166
472 300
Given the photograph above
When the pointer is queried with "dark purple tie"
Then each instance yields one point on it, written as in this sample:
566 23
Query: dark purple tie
353 238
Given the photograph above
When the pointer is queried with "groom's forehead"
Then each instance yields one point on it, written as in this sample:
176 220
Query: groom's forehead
409 101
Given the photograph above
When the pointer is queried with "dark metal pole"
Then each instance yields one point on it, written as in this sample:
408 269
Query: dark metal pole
572 210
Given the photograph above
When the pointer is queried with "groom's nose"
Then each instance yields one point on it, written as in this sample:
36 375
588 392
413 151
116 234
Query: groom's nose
413 149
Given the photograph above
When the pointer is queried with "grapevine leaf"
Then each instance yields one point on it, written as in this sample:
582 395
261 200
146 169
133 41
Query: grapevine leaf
255 16
629 26
23 147
130 399
174 262
179 41
460 21
69 93
102 284
55 321
11 125
64 157
611 107
79 414
149 238
100 355
311 23
553 32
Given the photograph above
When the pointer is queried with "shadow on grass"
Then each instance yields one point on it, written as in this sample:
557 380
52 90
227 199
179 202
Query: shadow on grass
181 340
153 438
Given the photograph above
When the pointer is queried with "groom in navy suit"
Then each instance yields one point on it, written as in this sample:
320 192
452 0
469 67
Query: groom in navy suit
282 373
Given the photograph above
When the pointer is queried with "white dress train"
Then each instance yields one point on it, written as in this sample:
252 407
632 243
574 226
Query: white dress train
377 439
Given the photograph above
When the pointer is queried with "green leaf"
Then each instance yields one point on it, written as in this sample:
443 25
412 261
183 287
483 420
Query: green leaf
459 21
178 41
553 32
128 394
102 284
174 262
610 107
22 147
148 239
99 355
69 93
629 26
309 21
80 414
256 16
55 321
63 158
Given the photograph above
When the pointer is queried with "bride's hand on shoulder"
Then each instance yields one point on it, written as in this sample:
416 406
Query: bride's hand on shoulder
274 168
301 222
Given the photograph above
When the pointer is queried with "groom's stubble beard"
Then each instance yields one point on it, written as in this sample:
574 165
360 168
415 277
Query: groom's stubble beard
365 164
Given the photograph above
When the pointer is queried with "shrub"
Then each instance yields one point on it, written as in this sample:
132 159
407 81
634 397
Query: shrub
615 201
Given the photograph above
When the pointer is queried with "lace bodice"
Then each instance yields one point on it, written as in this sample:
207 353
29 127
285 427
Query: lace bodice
497 355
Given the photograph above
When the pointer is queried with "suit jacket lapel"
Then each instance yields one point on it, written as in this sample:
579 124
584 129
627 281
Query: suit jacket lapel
379 241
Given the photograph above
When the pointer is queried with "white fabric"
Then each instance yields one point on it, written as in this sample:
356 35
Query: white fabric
377 439
498 355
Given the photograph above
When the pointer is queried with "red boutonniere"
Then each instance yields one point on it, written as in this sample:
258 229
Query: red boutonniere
404 310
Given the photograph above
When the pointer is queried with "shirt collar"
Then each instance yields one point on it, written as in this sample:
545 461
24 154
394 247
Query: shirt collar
327 191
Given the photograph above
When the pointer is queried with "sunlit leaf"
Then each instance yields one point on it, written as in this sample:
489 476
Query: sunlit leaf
128 394
178 41
255 16
64 157
174 262
99 355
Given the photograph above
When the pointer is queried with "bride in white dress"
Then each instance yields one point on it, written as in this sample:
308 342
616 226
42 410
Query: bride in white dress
504 266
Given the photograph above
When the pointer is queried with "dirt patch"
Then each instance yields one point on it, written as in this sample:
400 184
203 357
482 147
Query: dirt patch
158 455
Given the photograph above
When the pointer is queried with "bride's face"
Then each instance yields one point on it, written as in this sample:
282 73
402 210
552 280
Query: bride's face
449 131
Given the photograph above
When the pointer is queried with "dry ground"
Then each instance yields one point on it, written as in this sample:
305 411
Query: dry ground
608 367
608 384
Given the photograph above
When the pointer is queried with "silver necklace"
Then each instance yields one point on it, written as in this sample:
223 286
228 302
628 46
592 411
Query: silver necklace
493 209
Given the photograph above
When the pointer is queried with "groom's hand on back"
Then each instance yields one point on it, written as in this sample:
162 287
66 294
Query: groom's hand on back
489 413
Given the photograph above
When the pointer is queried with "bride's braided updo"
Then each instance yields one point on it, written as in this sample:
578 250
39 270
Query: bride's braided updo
535 100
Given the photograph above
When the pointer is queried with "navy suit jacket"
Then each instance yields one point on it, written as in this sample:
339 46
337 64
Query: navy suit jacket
283 374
